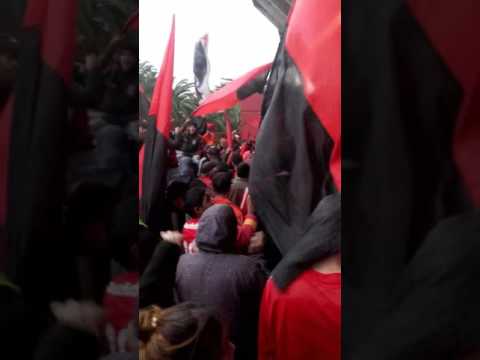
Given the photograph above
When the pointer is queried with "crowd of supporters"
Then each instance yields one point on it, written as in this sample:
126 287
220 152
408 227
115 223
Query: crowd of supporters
201 291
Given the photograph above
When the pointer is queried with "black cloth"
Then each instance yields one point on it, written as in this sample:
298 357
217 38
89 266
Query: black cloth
228 283
188 144
322 238
158 280
398 123
436 313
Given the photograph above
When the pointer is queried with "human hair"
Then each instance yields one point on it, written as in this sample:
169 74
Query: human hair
243 170
222 182
193 199
207 167
180 332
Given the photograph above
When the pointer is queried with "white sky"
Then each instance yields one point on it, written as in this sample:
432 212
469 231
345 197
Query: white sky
240 37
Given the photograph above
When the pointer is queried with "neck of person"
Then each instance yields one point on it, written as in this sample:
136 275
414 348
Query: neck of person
330 265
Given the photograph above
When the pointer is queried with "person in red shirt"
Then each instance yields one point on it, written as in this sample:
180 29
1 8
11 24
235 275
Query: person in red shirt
222 183
300 311
197 200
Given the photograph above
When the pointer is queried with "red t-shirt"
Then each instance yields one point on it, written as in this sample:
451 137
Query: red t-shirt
189 233
304 321
121 297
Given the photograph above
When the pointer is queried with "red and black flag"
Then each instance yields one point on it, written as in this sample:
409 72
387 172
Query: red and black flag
297 157
201 67
410 155
236 90
153 155
36 144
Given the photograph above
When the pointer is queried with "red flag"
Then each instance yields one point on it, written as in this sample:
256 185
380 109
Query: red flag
461 18
36 167
132 23
228 130
161 105
227 96
321 87
153 160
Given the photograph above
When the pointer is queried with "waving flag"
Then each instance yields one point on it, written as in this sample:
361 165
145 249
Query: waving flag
410 152
36 166
236 90
153 155
297 158
201 67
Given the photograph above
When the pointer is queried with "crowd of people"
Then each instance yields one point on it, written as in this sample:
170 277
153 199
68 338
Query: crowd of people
211 289
212 286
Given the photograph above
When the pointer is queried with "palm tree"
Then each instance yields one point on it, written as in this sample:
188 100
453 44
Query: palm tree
147 77
185 100
98 20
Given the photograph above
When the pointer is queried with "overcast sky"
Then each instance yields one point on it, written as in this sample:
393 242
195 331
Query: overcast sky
240 37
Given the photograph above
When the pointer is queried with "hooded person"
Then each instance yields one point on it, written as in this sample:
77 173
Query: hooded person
218 278
301 305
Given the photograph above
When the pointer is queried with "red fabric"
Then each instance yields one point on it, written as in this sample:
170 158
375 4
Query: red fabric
56 21
132 23
245 233
189 231
207 181
304 322
226 97
314 43
453 30
120 306
222 200
209 138
161 105
228 130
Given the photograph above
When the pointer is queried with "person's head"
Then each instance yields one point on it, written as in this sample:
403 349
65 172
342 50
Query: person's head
213 153
207 167
222 182
197 201
217 230
176 191
223 142
236 158
142 129
220 167
127 59
191 129
243 170
181 332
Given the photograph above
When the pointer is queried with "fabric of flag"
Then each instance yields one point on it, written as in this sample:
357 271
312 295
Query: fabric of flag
228 130
36 166
236 90
411 135
153 160
201 67
132 23
297 157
